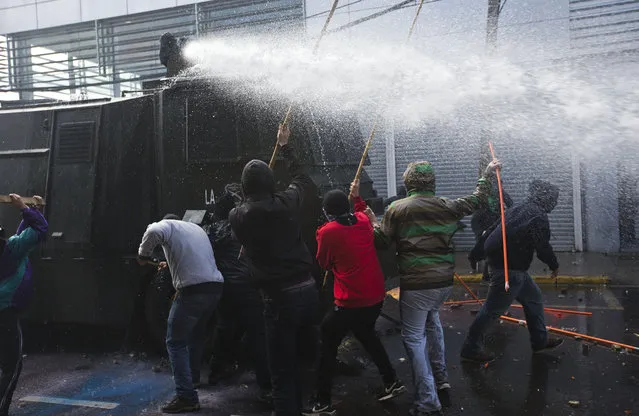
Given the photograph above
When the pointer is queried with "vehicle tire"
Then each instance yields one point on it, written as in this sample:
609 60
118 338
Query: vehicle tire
157 305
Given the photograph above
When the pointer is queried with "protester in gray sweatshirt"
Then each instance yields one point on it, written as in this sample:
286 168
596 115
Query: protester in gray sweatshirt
198 285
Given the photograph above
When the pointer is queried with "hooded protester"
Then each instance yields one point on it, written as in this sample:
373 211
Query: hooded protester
346 246
422 225
269 227
241 310
198 284
483 219
527 232
15 285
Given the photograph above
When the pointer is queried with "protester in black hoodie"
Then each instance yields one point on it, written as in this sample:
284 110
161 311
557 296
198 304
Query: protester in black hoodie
527 231
268 226
241 310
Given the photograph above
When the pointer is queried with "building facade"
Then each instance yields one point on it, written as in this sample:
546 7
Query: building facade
90 48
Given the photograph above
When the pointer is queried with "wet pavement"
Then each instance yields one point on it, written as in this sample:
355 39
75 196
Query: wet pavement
596 380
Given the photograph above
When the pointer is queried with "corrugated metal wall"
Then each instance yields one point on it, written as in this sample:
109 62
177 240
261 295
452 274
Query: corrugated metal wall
604 26
455 156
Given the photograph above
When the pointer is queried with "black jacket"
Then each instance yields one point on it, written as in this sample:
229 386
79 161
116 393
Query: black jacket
268 224
486 216
527 231
234 268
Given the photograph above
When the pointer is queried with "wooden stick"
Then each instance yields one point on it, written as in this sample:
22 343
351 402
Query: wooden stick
5 199
503 219
556 330
554 310
290 107
315 49
372 133
276 149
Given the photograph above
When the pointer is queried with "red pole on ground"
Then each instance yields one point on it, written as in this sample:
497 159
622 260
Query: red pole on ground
503 219
554 310
553 329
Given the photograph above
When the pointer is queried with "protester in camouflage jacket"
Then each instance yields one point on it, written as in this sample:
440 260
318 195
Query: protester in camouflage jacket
423 226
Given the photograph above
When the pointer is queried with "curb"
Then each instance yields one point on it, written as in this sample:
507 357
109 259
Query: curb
544 280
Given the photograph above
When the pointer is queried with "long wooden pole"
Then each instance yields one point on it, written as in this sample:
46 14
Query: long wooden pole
358 173
6 199
287 117
553 329
503 218
315 49
375 124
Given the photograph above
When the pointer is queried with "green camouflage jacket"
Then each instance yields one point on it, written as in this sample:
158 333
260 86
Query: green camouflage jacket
422 225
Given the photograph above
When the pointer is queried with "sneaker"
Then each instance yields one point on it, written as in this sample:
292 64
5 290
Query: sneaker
551 344
443 392
478 357
320 409
181 405
391 390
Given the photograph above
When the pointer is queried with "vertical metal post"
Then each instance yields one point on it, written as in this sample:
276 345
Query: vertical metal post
9 61
391 172
492 25
196 12
576 202
97 48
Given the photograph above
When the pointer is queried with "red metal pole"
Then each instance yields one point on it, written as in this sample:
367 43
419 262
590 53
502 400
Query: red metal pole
503 219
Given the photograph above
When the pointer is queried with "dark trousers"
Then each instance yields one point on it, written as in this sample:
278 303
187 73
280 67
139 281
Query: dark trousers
361 322
190 312
10 356
525 291
241 312
290 314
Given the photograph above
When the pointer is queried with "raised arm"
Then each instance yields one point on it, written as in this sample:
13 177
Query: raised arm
34 226
468 205
360 204
300 182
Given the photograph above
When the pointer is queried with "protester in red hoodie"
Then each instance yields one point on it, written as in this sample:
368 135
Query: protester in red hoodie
345 245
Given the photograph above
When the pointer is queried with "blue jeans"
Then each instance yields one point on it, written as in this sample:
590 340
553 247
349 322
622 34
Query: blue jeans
290 314
525 291
424 341
190 312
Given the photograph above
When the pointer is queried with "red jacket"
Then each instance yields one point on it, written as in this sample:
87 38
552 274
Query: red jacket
350 252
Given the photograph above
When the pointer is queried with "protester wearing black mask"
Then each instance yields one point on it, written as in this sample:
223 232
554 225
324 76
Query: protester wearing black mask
268 226
241 310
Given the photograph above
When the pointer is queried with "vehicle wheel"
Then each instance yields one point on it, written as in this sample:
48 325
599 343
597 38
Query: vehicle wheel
157 305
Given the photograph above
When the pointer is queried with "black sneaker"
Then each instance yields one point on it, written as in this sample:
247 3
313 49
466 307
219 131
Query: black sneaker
478 357
551 344
391 390
320 409
181 405
443 392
